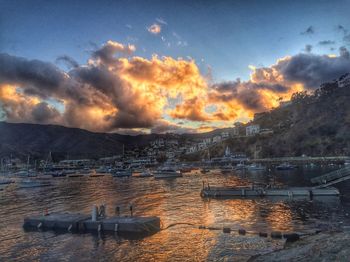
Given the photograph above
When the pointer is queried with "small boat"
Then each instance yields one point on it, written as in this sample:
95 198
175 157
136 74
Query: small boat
103 170
285 166
256 167
167 172
121 173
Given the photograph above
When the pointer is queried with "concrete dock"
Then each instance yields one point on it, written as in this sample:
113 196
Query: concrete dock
136 225
80 223
266 192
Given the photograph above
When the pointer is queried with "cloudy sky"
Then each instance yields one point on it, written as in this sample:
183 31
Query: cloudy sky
164 66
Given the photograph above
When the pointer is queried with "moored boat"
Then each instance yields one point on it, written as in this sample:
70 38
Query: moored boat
121 173
256 167
285 166
145 173
167 172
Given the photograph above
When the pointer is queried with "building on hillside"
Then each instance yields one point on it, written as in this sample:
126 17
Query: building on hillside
266 131
158 142
202 145
207 141
192 149
225 135
252 130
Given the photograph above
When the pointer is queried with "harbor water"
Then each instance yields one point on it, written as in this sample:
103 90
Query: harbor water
178 203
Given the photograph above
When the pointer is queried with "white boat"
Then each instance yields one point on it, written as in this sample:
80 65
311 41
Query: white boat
103 170
256 167
240 166
121 173
167 172
285 166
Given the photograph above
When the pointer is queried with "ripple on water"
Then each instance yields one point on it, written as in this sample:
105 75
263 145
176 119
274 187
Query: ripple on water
175 200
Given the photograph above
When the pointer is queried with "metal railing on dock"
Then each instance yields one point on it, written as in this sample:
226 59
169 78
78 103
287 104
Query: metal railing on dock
337 174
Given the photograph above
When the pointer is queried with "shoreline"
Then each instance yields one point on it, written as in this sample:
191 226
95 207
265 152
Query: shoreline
324 246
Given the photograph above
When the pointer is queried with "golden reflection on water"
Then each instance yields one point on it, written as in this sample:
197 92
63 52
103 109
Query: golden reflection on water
174 201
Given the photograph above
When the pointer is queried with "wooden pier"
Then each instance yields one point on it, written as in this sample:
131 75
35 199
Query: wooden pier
80 223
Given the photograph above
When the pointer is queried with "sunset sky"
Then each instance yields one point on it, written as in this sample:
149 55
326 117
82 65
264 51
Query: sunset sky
164 66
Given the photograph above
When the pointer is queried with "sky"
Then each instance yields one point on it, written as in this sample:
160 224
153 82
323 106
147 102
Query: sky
164 66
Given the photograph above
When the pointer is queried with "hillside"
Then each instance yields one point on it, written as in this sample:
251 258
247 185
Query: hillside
316 124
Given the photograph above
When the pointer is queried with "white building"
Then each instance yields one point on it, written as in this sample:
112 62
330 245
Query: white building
201 145
252 130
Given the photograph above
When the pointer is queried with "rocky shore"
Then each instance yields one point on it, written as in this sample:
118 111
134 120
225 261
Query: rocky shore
330 246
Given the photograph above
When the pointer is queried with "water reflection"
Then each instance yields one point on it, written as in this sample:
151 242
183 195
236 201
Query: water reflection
173 201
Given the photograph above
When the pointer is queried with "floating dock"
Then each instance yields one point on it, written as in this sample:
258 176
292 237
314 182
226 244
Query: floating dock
80 223
266 192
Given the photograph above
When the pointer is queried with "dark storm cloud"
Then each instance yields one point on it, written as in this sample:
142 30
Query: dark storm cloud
90 93
34 73
313 70
309 31
245 93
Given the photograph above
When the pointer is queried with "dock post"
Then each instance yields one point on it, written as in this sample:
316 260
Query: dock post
94 213
130 207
